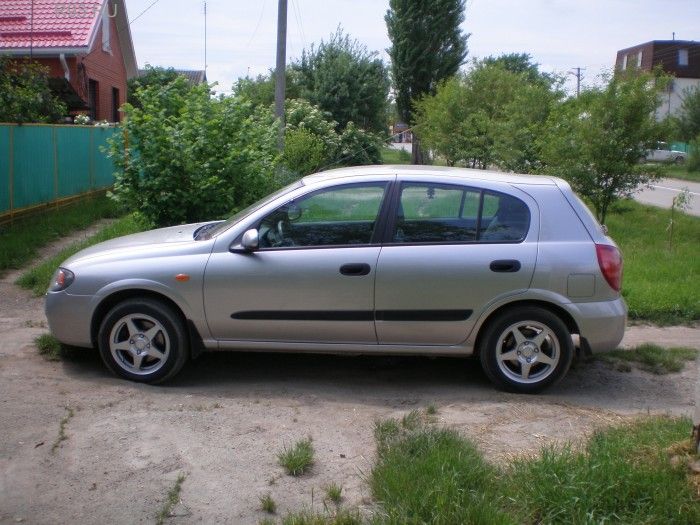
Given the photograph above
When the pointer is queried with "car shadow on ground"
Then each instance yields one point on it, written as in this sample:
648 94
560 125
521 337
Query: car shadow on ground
392 380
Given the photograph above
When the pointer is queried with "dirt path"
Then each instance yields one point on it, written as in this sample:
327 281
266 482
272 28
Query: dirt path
224 419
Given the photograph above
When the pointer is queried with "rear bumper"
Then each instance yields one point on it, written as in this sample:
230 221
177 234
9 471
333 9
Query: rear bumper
601 324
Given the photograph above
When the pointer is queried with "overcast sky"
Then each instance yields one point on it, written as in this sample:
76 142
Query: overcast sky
559 34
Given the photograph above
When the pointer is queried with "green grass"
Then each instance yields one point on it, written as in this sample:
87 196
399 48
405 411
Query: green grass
334 493
307 517
37 279
395 156
660 285
297 459
431 475
22 241
171 500
681 172
624 475
651 358
268 504
49 347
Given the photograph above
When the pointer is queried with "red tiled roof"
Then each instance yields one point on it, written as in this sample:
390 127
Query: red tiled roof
48 24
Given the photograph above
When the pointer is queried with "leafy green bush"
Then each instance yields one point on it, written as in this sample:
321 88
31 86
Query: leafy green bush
312 142
304 152
185 156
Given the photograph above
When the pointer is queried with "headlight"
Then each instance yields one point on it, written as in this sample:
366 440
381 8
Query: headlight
61 280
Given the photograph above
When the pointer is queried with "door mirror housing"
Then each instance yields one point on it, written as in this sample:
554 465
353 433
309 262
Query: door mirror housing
249 242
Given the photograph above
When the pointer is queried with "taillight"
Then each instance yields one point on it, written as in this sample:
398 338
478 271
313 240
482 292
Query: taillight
610 262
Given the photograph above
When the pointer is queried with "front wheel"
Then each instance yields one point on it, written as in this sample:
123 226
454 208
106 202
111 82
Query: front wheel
526 349
143 340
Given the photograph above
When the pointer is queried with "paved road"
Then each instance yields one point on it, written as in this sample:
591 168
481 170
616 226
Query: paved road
662 193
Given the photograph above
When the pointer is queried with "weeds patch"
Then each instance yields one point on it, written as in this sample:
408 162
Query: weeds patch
298 459
650 357
267 504
171 500
62 429
334 493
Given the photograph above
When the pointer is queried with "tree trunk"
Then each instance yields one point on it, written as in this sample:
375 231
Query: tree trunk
416 151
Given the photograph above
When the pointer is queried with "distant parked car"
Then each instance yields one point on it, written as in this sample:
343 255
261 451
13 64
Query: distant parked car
664 153
374 260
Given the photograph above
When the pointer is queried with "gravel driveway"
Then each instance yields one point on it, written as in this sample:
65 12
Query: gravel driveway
223 420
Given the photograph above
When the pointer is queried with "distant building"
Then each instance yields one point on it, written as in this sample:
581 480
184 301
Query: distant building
86 44
680 58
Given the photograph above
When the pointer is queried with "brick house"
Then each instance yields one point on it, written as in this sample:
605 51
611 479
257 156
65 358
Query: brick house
86 44
680 58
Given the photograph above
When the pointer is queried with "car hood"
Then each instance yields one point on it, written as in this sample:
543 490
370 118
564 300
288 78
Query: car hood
144 241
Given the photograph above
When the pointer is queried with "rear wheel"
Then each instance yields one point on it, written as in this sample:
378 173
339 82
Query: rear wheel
526 349
143 340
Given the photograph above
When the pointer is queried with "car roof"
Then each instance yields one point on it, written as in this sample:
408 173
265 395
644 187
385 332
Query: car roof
429 171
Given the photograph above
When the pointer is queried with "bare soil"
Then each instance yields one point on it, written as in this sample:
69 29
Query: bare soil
224 419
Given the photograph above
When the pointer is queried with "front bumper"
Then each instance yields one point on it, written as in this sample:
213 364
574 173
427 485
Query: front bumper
69 317
601 324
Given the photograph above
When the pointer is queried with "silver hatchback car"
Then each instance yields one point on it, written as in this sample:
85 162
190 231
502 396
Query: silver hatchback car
375 260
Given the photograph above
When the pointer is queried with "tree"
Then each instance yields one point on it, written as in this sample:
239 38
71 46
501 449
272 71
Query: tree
315 142
689 116
491 115
261 89
427 47
522 64
25 95
342 77
596 140
152 76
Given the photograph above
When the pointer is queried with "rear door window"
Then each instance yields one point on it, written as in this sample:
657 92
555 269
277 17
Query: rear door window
440 213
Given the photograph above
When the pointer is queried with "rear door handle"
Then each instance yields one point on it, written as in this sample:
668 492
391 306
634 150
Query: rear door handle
505 265
355 269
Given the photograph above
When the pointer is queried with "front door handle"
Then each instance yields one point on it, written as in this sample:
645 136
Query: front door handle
505 265
355 269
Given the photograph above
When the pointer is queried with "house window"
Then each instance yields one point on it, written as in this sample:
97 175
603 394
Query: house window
115 105
639 59
93 97
682 57
624 62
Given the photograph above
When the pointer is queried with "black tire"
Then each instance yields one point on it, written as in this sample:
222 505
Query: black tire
143 340
679 160
526 349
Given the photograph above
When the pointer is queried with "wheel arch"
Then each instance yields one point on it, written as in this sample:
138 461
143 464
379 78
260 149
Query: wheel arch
557 310
117 297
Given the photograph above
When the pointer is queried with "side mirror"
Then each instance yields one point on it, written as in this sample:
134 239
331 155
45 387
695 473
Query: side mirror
249 243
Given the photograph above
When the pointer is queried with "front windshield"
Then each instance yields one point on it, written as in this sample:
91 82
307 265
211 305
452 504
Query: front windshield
207 233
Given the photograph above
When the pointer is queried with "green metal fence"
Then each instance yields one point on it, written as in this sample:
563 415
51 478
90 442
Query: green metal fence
41 164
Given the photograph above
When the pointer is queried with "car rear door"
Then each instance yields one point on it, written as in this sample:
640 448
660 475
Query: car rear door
449 251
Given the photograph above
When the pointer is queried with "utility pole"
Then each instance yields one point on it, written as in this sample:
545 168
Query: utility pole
280 71
205 38
578 79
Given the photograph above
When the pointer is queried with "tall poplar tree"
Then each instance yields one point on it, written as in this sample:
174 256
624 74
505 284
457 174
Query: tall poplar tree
427 46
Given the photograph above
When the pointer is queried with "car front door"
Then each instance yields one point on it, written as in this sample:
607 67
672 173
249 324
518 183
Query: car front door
450 251
312 278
